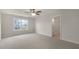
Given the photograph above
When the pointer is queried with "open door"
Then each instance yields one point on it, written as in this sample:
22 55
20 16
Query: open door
56 27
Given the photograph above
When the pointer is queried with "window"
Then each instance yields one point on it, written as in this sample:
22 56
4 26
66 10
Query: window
20 23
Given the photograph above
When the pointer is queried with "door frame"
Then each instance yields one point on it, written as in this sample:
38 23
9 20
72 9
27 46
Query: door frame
60 25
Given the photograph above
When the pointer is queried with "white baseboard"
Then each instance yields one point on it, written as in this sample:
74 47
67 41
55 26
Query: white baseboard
76 42
45 34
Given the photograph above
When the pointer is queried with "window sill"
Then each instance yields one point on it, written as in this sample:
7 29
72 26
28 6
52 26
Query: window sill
21 30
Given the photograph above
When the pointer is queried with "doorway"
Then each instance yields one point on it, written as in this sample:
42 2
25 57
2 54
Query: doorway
56 24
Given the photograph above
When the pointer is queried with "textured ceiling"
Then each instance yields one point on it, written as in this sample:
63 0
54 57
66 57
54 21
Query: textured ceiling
21 12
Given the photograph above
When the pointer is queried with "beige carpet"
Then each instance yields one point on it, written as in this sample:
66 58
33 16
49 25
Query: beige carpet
35 41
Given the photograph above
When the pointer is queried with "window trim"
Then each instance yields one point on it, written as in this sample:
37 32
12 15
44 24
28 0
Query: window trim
21 28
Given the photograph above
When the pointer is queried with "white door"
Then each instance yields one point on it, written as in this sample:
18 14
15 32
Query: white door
56 27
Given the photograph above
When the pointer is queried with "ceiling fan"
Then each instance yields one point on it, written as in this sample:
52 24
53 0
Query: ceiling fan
34 12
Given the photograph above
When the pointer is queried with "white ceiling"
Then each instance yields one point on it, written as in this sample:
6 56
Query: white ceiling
21 12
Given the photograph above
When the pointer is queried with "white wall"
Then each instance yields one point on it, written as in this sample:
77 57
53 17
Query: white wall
7 26
44 22
44 25
70 27
0 26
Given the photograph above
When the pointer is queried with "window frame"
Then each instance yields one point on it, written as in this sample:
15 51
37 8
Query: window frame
14 25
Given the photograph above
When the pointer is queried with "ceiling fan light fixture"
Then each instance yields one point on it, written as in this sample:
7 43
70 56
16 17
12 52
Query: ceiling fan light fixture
33 14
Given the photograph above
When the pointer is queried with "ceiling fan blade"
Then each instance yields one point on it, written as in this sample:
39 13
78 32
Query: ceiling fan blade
33 11
38 12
